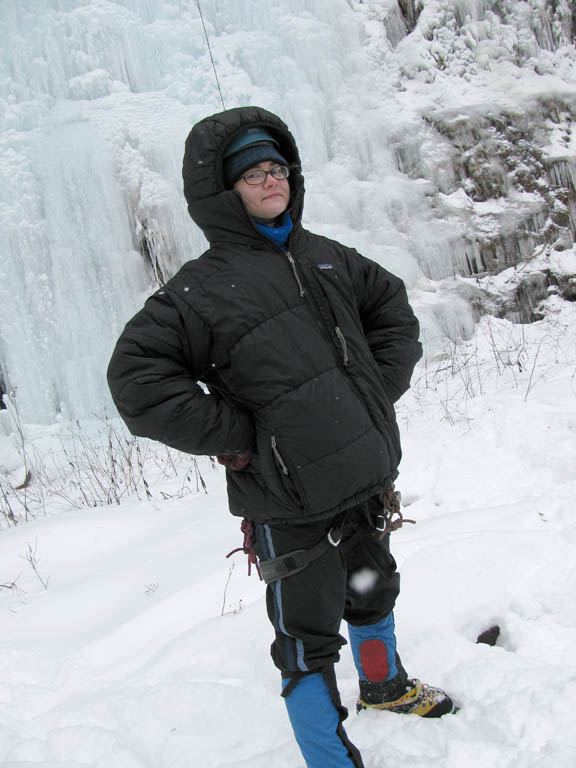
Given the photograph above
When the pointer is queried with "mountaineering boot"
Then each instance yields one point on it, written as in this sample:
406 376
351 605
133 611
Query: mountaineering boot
384 684
316 720
405 697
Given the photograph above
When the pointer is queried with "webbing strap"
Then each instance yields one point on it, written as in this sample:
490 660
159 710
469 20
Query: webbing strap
291 562
295 561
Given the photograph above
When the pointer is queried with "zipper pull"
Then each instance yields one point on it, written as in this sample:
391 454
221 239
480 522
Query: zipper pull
293 265
279 458
342 341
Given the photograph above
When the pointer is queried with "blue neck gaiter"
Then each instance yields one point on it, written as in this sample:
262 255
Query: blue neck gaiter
278 235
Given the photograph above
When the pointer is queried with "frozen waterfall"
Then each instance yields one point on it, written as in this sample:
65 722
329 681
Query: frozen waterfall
96 99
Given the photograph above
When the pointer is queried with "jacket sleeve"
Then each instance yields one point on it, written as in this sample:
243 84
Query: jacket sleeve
153 376
389 324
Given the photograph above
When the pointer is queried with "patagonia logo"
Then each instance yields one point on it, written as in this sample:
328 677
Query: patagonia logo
325 266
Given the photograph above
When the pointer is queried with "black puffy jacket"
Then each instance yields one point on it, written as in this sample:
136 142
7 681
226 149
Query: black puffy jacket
303 353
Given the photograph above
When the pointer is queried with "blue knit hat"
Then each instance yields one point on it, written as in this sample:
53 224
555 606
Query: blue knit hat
252 146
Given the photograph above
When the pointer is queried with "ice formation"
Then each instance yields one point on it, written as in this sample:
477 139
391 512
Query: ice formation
433 133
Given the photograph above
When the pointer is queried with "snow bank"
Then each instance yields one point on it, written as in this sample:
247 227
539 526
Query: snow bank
147 651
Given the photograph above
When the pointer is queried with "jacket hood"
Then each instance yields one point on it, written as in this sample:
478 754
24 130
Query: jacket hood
220 212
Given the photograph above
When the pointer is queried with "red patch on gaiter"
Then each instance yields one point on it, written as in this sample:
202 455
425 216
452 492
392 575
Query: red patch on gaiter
374 659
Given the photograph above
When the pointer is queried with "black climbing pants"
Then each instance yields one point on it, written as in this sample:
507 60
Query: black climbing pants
356 583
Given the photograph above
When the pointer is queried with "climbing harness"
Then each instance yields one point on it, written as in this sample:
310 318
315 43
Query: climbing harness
293 562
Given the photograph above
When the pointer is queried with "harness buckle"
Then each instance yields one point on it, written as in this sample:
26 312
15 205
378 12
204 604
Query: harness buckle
380 523
335 542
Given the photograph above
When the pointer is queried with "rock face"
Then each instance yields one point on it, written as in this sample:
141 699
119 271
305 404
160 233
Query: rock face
411 10
2 392
519 193
500 154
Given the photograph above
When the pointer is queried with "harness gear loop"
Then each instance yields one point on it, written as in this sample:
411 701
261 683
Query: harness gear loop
391 518
248 547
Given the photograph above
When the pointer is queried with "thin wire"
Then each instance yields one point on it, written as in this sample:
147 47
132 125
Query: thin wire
210 52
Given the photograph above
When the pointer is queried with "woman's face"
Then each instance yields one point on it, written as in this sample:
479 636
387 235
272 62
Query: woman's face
267 200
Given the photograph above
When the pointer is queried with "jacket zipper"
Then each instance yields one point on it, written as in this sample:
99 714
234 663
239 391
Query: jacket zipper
290 258
342 340
278 455
291 487
301 291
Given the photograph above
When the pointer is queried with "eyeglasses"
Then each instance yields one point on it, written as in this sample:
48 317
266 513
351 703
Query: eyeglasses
279 172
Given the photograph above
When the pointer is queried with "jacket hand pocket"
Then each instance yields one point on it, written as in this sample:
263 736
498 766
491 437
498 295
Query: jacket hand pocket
286 476
276 471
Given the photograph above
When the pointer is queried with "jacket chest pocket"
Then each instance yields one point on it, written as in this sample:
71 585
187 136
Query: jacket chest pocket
326 301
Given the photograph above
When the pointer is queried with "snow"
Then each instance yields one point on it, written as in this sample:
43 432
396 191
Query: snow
150 648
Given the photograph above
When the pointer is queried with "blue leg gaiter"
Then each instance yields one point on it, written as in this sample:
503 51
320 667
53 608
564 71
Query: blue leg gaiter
374 650
317 723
